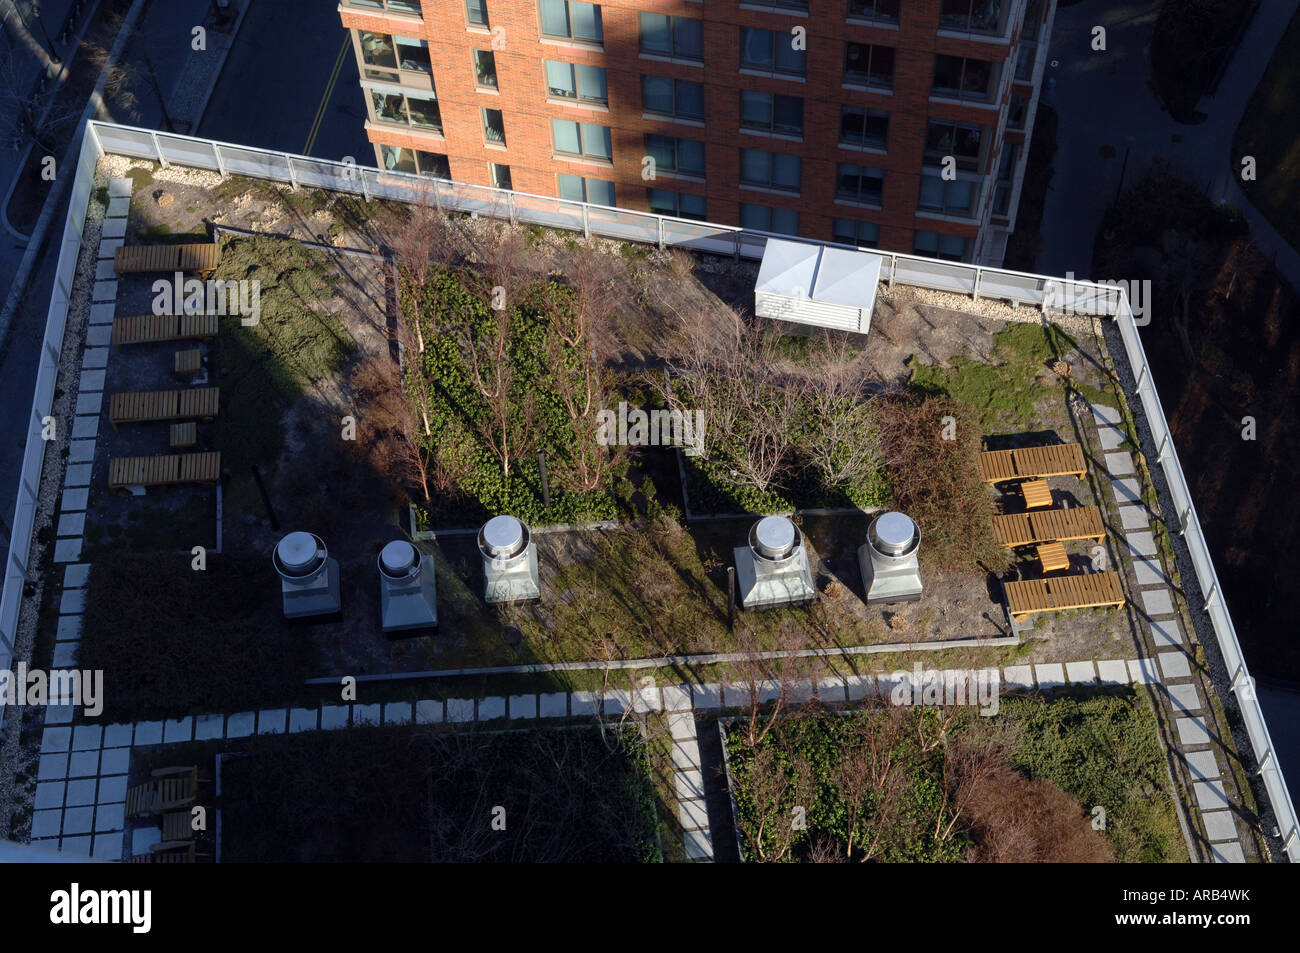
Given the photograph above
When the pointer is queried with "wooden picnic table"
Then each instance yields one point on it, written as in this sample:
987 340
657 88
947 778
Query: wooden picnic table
1082 591
1048 526
1028 463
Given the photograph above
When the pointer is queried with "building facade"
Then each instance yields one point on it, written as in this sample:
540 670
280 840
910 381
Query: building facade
898 124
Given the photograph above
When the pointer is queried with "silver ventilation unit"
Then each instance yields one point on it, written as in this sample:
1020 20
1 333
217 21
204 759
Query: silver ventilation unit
890 572
509 561
407 595
309 578
773 569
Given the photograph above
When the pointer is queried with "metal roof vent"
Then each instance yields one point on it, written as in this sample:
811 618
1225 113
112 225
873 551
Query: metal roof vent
773 569
407 597
309 578
509 561
890 571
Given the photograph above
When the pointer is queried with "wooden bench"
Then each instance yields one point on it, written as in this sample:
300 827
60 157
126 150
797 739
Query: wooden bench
184 436
164 470
1048 526
168 790
189 361
1036 494
1051 556
152 328
202 257
145 406
1085 591
1031 463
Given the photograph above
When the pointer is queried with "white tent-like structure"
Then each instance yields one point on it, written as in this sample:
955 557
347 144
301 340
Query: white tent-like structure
815 285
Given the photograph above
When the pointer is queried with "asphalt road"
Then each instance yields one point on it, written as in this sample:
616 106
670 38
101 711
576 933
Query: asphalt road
277 81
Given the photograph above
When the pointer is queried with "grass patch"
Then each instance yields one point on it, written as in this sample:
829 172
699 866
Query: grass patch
416 796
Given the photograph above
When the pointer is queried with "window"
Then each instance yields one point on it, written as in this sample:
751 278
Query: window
952 197
485 68
770 52
413 54
777 6
433 164
783 221
678 204
861 127
500 176
398 6
855 183
774 170
866 65
494 127
395 107
677 98
379 54
476 12
684 156
936 245
944 138
593 191
572 20
397 159
581 139
1025 61
671 36
976 16
1016 112
865 234
1006 168
879 10
585 84
771 113
961 78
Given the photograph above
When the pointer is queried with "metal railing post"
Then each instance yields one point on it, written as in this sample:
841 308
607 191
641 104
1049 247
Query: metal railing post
293 179
162 159
660 220
975 291
221 165
510 207
586 222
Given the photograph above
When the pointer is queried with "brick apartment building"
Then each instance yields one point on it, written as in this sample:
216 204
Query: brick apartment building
830 119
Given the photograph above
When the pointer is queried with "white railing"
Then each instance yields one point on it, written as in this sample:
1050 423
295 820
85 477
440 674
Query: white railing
664 231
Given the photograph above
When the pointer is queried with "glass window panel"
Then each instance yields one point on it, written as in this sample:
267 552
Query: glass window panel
559 79
571 188
755 166
591 83
485 68
397 159
788 59
657 94
433 164
377 49
931 192
656 33
756 109
692 206
662 201
952 246
961 195
567 138
424 112
926 243
585 18
753 216
413 54
785 171
595 141
687 38
788 115
661 149
756 47
388 107
600 192
555 18
690 156
690 99
785 221
476 10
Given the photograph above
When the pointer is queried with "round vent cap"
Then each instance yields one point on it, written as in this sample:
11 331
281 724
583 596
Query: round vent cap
397 558
893 533
503 535
775 536
297 552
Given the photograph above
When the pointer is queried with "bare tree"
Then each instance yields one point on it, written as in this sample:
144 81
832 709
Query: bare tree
777 790
838 438
869 779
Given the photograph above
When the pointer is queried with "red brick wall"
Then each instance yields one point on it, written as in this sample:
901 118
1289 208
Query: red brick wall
527 114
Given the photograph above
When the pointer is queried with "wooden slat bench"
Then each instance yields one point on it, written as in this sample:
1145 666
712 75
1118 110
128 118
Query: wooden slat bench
1048 526
145 406
1051 556
152 328
164 470
184 436
1031 463
1037 493
1086 591
202 257
189 361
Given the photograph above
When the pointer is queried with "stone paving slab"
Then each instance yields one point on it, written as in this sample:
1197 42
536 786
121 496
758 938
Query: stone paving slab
681 724
94 358
1156 602
1143 671
87 737
112 789
735 695
108 247
113 228
104 270
1111 437
1166 633
1126 490
616 702
209 727
693 815
460 709
333 717
108 846
55 740
52 767
1192 731
81 451
178 730
1202 765
1229 853
90 380
241 725
1184 697
306 719
1210 795
832 690
49 794
78 474
65 654
1139 544
523 706
858 687
120 188
491 708
686 755
706 696
1113 672
798 693
556 704
148 733
78 820
1174 665
46 823
118 736
118 206
272 721
79 845
114 761
1119 464
72 601
75 575
690 784
584 703
86 427
366 715
1050 675
58 714
1080 672
103 313
1100 412
1219 825
646 698
1020 677
81 793
74 499
83 764
676 697
428 711
698 844
1149 572
110 817
1134 517
67 550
